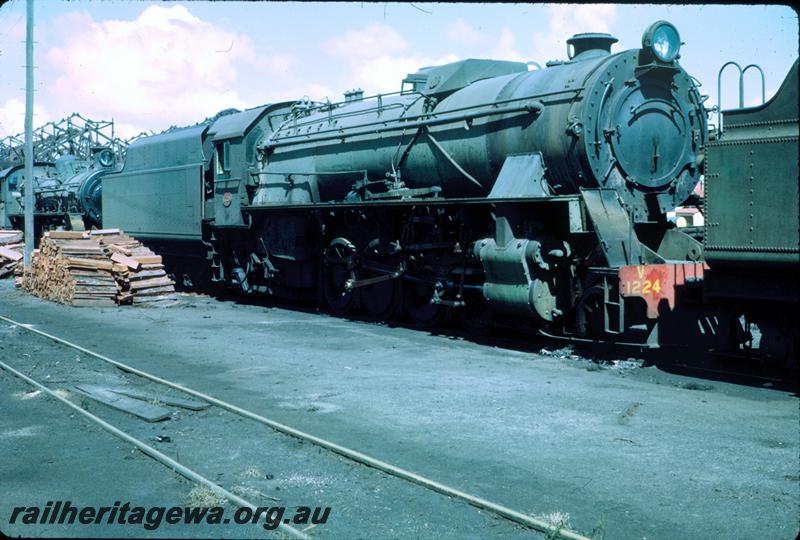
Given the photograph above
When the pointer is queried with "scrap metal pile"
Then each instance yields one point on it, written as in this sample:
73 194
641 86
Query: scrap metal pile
73 135
97 268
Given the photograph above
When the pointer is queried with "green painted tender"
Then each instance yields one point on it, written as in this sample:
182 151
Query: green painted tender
159 192
166 189
751 189
752 243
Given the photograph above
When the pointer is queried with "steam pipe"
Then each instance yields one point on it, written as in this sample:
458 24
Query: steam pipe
531 106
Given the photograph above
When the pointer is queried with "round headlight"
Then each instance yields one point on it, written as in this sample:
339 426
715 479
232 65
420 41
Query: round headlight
106 158
662 38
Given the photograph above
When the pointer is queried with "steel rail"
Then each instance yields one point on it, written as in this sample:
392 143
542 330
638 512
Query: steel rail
353 455
152 452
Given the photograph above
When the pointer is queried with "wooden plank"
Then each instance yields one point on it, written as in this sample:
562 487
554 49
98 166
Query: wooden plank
100 286
96 290
147 274
106 299
96 287
148 259
152 291
138 298
10 254
78 245
91 272
191 404
89 263
147 283
68 235
116 248
102 394
10 237
130 262
101 232
92 301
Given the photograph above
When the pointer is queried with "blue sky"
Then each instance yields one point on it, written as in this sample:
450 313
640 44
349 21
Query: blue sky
149 65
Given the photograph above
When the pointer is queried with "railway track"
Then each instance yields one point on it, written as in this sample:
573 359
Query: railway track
507 513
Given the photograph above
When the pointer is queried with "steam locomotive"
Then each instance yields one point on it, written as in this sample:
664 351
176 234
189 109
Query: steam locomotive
67 192
481 190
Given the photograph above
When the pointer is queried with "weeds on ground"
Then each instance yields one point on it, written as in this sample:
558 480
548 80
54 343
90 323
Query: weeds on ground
203 496
252 472
559 520
597 533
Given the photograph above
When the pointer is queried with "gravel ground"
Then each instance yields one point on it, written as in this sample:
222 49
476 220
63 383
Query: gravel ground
615 449
252 461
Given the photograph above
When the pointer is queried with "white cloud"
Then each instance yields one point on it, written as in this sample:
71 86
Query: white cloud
378 58
463 32
506 47
564 20
165 67
12 116
372 41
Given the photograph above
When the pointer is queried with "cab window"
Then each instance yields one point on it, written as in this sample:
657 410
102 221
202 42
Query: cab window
223 158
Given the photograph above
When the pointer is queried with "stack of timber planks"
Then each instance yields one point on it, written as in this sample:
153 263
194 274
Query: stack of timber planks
139 272
97 268
12 247
70 267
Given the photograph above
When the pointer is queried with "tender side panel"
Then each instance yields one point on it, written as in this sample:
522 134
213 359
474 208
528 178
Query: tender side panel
751 187
752 202
159 193
175 213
